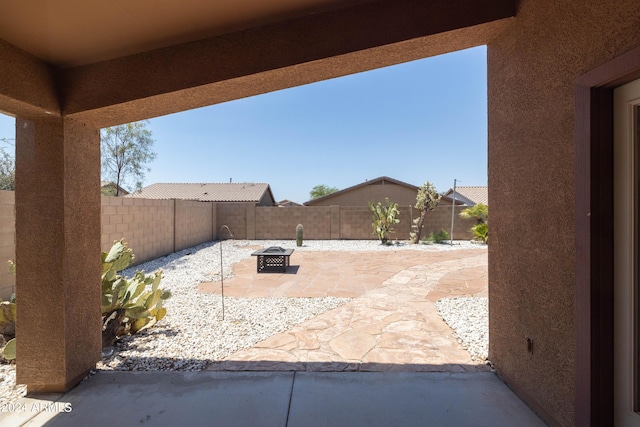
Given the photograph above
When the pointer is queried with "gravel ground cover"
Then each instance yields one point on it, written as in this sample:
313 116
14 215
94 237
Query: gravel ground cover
193 332
469 319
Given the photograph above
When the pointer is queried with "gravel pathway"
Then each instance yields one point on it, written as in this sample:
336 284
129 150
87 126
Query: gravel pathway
469 319
193 332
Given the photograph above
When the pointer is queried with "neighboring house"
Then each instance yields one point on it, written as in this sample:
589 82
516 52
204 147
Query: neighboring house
287 203
377 190
108 188
259 193
371 190
470 195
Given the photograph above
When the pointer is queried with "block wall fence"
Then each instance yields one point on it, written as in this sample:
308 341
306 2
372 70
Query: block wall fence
155 228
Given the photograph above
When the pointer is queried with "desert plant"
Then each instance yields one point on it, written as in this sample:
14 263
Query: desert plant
480 213
481 232
299 232
8 328
128 305
438 237
384 218
426 200
8 322
9 350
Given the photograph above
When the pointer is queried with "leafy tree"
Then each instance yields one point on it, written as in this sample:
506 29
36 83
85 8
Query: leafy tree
126 149
480 213
384 218
321 191
108 191
426 200
7 168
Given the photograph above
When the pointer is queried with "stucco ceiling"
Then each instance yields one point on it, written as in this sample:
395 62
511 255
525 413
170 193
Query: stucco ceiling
70 32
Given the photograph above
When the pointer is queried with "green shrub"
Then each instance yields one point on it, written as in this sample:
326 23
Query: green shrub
481 232
480 213
438 237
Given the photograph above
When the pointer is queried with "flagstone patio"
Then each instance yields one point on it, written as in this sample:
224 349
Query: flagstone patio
392 323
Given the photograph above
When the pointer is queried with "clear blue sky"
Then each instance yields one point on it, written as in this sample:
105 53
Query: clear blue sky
421 121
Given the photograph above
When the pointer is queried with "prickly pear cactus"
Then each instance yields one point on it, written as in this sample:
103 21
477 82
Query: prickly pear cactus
7 318
128 304
299 231
9 350
8 328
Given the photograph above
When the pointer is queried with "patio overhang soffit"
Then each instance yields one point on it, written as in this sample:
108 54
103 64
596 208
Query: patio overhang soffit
115 62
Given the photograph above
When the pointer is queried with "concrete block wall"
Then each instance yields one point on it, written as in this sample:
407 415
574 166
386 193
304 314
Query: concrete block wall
194 223
155 228
280 223
343 222
146 225
7 242
355 223
234 216
440 218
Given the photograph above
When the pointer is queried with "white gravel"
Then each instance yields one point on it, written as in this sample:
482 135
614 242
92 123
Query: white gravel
469 318
193 332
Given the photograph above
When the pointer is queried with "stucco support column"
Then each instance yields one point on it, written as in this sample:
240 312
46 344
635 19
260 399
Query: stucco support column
57 251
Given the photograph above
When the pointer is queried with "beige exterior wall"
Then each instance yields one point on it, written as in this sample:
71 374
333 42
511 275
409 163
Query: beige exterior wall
234 216
194 223
280 223
532 69
147 225
155 228
7 242
349 222
361 196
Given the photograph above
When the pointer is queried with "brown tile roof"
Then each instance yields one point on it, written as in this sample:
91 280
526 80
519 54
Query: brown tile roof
206 192
476 194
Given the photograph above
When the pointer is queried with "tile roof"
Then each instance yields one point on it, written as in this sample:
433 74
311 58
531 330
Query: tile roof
205 192
476 194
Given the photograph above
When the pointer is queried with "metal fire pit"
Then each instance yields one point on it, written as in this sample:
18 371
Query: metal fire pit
272 259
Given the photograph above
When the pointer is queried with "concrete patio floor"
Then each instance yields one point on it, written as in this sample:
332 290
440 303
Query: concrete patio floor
290 399
384 359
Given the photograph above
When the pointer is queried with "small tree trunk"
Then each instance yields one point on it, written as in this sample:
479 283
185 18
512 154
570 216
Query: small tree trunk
420 225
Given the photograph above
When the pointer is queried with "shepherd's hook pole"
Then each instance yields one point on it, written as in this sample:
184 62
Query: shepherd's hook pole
222 280
453 209
221 267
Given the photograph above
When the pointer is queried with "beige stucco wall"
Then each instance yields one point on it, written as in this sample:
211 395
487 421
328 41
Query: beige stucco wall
194 223
280 223
361 196
7 242
145 224
154 228
532 68
234 216
349 222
